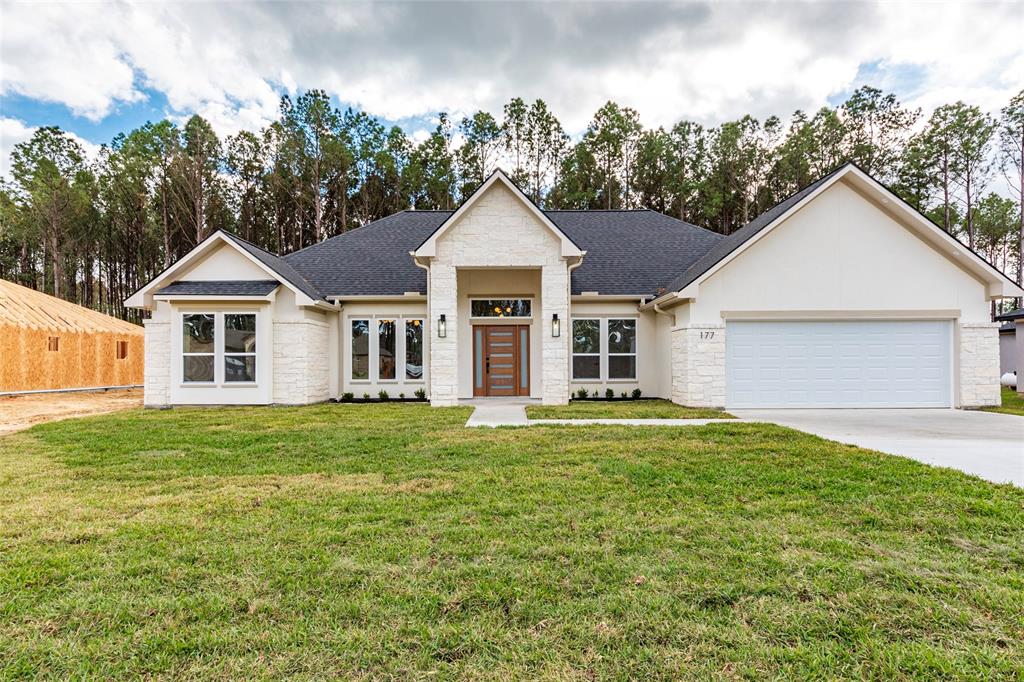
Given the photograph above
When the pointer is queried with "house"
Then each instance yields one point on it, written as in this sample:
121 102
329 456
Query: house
840 296
1011 343
48 344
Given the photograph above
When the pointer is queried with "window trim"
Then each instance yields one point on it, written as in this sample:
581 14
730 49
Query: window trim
225 353
405 350
573 354
603 353
373 349
369 349
513 318
218 349
635 354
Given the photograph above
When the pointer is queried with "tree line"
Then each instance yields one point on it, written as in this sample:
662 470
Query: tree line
93 230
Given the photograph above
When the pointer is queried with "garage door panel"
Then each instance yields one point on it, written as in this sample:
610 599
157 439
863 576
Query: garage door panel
839 364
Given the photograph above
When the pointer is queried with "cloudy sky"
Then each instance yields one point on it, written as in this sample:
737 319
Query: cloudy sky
99 68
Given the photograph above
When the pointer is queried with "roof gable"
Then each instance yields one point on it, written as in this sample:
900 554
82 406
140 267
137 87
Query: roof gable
274 267
428 248
24 307
998 285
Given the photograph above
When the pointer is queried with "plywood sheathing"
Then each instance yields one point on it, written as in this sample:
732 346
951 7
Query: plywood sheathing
87 346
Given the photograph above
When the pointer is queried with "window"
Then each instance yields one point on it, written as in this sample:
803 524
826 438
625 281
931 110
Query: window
360 350
586 349
387 361
622 349
414 349
53 343
500 307
122 350
197 346
239 348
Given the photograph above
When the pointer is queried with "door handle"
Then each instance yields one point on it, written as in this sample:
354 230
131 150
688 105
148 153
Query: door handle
487 364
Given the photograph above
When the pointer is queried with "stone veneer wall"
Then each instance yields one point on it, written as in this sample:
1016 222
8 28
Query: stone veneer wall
979 365
498 231
301 367
698 366
157 372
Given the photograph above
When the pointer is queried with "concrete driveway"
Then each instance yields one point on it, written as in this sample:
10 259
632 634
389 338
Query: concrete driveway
988 445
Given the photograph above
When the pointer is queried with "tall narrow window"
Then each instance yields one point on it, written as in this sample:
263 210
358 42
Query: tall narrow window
53 343
239 348
586 349
360 349
622 349
386 360
121 351
414 349
198 349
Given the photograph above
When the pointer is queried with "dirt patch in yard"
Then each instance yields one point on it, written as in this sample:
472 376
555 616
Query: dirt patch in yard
22 411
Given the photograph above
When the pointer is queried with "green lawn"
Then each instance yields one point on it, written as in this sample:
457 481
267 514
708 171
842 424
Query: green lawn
639 409
1013 403
387 541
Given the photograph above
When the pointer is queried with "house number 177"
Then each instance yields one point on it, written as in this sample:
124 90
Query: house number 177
707 336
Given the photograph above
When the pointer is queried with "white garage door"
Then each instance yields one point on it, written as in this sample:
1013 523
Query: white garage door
839 364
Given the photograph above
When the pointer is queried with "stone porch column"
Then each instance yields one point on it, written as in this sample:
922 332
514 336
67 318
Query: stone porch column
444 353
554 286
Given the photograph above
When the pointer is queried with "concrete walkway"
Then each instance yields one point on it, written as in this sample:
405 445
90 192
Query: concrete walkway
634 422
492 412
985 444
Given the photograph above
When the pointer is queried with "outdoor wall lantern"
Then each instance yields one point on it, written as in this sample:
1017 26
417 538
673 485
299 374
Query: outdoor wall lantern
556 326
442 327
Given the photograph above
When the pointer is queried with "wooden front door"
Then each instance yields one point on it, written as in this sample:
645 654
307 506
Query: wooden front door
501 359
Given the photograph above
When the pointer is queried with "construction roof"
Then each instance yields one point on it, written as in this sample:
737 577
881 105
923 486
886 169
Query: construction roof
24 307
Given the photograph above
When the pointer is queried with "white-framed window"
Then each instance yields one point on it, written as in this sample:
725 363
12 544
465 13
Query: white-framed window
198 348
586 349
239 348
604 349
360 350
621 337
386 349
414 349
218 348
520 308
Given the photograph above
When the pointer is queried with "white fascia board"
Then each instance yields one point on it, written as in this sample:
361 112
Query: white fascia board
429 248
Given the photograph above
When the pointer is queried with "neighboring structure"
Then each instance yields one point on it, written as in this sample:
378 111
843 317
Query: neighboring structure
1011 344
48 344
840 296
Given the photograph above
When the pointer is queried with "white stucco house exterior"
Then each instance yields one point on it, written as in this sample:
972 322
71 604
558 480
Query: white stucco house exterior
840 296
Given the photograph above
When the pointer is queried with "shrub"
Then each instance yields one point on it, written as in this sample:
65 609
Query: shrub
636 394
366 396
402 396
421 393
383 395
624 395
609 394
581 394
347 396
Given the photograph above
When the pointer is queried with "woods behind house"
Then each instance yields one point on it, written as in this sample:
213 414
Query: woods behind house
93 230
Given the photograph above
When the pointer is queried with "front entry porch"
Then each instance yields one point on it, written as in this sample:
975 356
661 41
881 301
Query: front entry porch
501 360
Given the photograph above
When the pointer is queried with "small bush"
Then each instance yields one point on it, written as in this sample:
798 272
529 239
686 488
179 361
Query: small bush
636 394
421 393
609 394
383 395
366 396
402 396
347 396
624 395
582 393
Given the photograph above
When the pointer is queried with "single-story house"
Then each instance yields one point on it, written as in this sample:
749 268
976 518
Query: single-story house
1011 343
840 296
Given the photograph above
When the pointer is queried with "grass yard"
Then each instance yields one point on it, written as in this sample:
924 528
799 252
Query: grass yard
629 409
387 541
1013 403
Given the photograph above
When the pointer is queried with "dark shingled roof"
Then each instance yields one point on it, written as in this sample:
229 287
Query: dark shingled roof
740 236
628 252
278 265
260 287
1017 314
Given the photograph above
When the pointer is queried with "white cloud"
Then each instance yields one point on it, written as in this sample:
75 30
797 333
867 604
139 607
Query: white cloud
230 62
